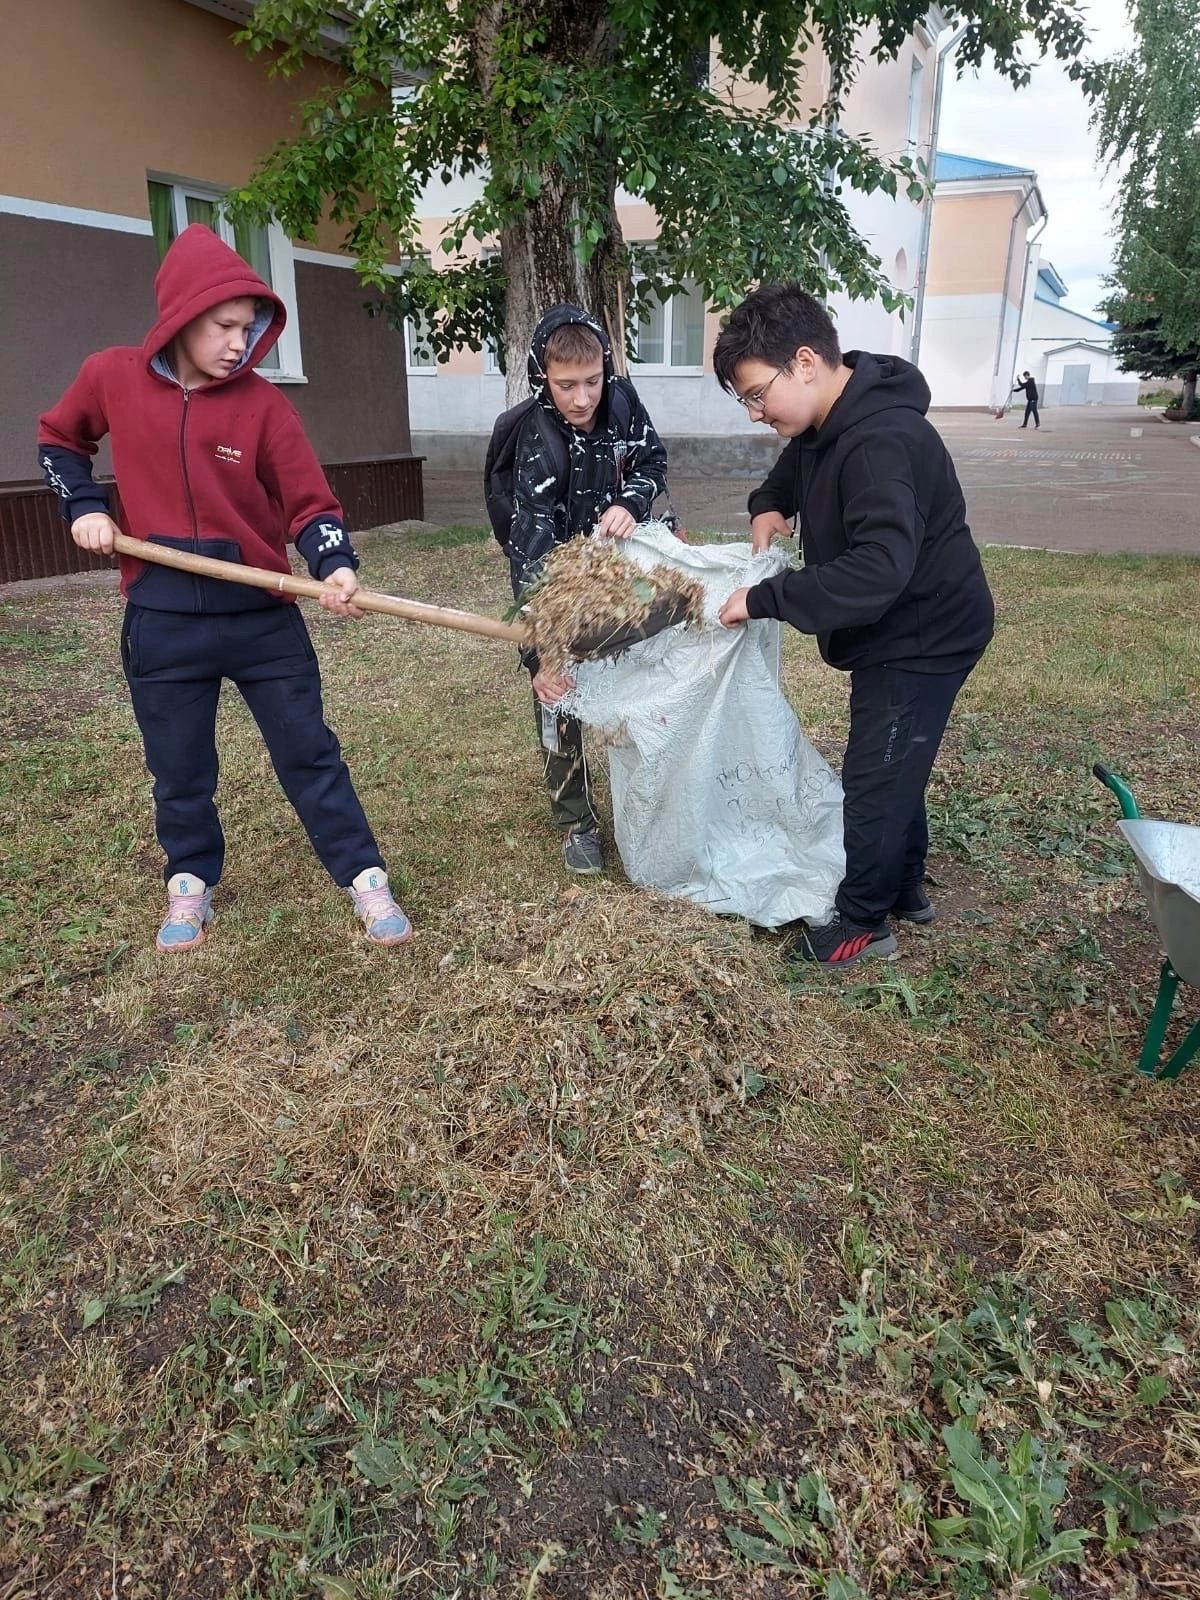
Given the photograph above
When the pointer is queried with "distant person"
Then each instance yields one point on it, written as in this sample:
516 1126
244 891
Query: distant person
1031 399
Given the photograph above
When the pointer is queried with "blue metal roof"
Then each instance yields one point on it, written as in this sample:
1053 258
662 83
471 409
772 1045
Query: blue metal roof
1051 279
948 168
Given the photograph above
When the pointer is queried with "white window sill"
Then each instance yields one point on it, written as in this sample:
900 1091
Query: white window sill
422 372
646 369
281 377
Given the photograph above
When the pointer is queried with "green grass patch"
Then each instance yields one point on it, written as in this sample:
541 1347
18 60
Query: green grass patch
589 1247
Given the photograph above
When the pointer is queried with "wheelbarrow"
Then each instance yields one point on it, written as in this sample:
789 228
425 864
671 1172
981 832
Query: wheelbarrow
1168 862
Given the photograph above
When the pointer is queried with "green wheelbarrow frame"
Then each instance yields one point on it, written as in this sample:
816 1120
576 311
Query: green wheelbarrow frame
1150 1062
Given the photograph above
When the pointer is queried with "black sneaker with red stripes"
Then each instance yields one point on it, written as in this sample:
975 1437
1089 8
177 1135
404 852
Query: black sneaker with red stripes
840 943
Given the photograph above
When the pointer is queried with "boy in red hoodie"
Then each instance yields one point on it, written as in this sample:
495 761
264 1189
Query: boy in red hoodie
212 458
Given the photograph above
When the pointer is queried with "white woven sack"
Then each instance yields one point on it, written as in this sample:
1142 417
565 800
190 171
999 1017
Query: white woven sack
717 795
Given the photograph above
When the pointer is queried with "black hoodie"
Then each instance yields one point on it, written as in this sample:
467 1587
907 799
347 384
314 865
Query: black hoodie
891 574
620 462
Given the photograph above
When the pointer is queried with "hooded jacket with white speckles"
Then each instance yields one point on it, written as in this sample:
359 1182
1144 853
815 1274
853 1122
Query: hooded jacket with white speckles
621 461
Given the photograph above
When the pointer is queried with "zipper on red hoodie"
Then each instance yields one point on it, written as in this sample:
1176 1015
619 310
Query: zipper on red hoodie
187 489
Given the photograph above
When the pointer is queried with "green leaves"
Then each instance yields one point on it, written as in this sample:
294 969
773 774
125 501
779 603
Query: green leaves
1009 1527
796 1517
143 1299
549 107
1145 120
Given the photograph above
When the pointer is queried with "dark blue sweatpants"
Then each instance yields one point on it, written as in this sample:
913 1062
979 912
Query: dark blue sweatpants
897 719
175 663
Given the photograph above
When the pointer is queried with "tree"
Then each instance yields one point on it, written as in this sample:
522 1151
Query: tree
1146 105
551 104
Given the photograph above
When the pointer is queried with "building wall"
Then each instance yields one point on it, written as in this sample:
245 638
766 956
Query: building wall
958 348
1106 384
64 279
969 243
1047 328
978 277
97 93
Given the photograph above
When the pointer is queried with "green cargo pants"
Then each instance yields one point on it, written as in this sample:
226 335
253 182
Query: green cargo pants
561 739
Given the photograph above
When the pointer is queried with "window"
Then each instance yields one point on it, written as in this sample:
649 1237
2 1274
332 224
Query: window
416 341
671 333
419 356
916 80
175 204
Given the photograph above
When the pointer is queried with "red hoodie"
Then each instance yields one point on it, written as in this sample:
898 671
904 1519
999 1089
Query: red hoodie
224 469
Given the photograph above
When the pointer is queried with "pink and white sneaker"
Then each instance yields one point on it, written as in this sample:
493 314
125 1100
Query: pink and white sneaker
189 910
378 912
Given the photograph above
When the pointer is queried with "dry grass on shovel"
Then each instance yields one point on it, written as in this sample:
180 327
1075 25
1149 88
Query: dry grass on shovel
591 588
573 1031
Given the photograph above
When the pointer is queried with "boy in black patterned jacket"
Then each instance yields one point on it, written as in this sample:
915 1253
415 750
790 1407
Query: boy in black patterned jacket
587 459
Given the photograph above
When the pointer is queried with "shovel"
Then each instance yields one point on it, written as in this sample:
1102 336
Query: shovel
594 645
287 583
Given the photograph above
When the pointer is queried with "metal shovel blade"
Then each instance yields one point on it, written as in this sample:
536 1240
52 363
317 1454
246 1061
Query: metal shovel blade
1168 858
599 643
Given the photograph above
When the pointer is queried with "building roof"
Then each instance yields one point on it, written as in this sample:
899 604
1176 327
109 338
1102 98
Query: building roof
949 168
1081 344
1052 281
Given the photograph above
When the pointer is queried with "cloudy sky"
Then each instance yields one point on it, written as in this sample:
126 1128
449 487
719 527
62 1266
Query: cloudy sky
1045 127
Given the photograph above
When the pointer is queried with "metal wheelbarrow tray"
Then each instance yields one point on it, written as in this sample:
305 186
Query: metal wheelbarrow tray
1168 861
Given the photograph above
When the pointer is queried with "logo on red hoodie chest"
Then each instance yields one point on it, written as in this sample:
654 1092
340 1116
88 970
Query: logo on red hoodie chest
226 452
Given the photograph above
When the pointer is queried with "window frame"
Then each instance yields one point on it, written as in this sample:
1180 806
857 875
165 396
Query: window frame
424 367
283 266
669 368
427 367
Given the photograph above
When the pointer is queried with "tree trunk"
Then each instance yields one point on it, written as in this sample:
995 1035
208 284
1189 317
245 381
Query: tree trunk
543 269
538 251
1188 398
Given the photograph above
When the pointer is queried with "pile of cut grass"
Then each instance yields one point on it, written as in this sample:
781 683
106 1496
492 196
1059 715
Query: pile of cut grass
592 599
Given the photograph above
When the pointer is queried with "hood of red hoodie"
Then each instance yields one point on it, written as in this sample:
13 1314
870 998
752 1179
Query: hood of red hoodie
200 271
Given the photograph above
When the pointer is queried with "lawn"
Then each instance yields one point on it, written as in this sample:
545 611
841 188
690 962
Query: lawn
586 1247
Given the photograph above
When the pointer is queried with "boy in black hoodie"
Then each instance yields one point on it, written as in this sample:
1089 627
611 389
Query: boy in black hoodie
892 584
587 459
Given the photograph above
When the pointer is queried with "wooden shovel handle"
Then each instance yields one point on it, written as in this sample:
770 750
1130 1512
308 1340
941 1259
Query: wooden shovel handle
285 583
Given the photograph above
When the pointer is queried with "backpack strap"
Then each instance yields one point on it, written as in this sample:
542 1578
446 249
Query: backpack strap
499 469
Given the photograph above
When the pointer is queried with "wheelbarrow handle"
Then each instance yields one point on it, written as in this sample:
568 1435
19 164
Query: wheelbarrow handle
287 583
1121 789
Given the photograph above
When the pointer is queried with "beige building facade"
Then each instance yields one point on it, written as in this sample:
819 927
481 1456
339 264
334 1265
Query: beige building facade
124 120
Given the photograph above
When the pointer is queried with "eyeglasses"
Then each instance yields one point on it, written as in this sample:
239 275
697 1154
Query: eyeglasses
754 402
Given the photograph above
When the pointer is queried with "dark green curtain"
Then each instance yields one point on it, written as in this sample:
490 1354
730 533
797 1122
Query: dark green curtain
162 216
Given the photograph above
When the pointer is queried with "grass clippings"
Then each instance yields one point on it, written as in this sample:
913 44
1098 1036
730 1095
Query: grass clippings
593 601
553 1042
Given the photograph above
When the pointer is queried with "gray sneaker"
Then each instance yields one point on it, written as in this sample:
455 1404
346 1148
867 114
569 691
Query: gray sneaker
582 852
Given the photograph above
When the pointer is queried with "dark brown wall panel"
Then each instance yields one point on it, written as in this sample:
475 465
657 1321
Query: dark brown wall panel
355 403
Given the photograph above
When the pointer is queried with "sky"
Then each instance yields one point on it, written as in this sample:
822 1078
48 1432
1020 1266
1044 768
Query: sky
1045 127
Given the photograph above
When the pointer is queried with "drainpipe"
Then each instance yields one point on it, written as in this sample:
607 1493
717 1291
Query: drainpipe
943 56
1012 240
1029 244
